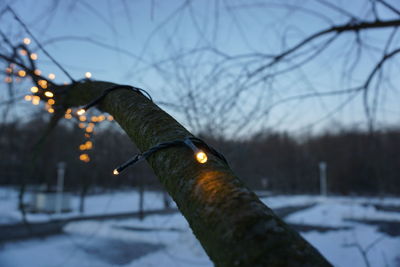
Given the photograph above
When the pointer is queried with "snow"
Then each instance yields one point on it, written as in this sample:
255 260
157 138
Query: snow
118 202
167 240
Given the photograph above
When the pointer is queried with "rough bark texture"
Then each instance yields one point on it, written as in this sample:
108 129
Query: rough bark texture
234 227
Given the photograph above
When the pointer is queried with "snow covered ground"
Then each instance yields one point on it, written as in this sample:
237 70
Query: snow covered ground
166 240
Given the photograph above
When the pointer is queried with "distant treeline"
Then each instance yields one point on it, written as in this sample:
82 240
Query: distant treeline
357 162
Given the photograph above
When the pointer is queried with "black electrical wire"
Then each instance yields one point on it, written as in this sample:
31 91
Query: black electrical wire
110 89
184 142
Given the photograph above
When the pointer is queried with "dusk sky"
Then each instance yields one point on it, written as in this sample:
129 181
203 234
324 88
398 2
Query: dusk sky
134 42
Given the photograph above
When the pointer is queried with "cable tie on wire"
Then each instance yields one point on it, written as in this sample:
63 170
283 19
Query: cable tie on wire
97 100
199 153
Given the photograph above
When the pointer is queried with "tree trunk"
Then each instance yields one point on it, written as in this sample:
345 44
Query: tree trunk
234 227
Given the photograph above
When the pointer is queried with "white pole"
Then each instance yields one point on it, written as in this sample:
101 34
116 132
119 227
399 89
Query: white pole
60 185
323 179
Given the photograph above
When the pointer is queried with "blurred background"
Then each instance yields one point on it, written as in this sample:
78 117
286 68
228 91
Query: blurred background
301 97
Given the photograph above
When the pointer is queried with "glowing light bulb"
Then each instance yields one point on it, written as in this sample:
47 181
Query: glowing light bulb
23 52
81 111
82 147
81 125
88 75
43 83
37 72
28 97
201 157
51 110
51 101
110 118
34 89
48 94
82 118
84 157
27 40
89 145
35 100
34 56
68 116
115 172
52 76
69 111
21 73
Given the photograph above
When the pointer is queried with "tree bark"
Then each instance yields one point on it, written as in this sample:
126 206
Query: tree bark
234 227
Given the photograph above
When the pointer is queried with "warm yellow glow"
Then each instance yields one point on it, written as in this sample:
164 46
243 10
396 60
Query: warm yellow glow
9 70
101 118
89 129
81 111
28 97
43 83
35 100
93 118
27 40
82 118
48 94
69 111
51 110
21 73
51 101
89 145
8 79
34 56
201 157
81 125
82 147
37 72
88 75
68 116
115 172
110 118
84 157
34 89
23 52
52 76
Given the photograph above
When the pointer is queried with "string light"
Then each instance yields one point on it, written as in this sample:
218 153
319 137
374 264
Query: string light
88 75
110 118
34 89
27 41
199 154
82 118
23 52
35 100
37 72
51 101
81 125
42 83
48 94
84 157
68 116
52 76
34 56
28 97
22 73
81 111
51 110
